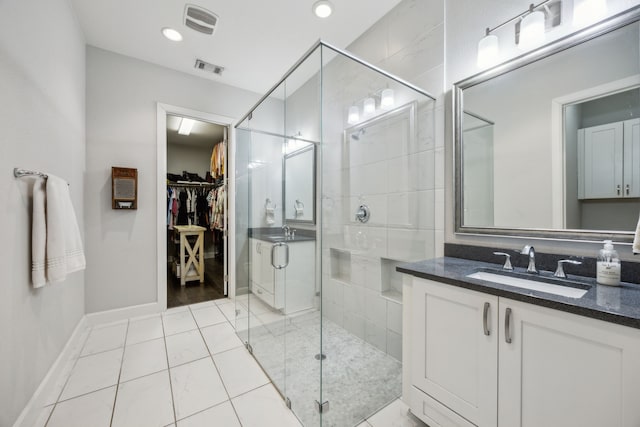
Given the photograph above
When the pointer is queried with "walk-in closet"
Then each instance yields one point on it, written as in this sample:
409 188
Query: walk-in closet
196 210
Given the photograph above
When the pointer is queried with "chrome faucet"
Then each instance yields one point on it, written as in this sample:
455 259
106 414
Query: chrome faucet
528 250
287 231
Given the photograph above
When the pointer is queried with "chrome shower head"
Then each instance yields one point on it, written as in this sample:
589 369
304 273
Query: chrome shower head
356 136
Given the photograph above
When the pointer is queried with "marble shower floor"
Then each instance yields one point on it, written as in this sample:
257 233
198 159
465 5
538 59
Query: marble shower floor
357 378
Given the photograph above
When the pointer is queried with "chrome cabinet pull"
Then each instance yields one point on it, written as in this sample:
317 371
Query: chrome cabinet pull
627 189
485 315
507 326
618 189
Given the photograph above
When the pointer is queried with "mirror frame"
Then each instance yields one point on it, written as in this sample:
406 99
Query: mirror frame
286 220
610 24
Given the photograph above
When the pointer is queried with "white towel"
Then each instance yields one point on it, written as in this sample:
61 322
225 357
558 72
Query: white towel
63 253
64 245
38 235
636 240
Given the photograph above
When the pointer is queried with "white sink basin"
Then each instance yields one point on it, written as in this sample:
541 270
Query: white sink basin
534 285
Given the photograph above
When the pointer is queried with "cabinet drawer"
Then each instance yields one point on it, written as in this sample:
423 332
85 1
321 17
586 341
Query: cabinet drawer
433 412
263 294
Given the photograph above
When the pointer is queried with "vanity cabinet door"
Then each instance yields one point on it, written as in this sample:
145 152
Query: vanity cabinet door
256 260
454 351
600 154
566 370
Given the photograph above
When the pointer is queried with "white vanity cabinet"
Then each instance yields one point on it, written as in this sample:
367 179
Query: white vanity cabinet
609 160
561 369
536 367
454 358
264 276
289 289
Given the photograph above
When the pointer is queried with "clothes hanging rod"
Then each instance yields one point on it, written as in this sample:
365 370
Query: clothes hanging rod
194 184
19 173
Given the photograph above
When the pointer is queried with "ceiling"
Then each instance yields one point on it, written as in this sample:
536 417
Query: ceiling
203 134
256 41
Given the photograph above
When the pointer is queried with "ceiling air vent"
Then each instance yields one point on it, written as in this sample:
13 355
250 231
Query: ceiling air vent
200 20
209 68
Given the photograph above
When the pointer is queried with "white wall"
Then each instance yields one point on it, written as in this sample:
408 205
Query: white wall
121 131
42 116
465 24
388 168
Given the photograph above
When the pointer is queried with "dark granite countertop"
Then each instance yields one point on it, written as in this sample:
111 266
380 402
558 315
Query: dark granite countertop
276 235
615 304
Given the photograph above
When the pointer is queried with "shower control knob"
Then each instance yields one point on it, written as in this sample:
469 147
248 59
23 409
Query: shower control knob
363 213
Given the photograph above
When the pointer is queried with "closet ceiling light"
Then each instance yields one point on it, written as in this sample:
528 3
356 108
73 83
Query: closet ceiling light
586 12
322 9
354 115
171 34
386 99
185 126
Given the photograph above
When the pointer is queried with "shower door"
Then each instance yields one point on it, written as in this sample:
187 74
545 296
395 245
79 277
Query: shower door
277 303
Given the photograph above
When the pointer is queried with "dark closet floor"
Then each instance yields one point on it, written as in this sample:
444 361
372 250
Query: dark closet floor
194 292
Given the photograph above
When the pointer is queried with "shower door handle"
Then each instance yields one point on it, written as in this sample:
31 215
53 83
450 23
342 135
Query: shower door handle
273 256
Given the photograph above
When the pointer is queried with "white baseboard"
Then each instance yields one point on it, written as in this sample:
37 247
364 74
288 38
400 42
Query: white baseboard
110 316
48 390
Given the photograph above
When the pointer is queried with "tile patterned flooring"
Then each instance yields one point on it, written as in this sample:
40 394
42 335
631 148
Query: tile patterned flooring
184 368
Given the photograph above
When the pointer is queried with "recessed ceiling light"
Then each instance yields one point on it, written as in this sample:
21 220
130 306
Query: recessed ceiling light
322 8
171 34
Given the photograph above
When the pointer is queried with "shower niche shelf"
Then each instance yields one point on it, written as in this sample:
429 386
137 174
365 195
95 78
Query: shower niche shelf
391 280
340 265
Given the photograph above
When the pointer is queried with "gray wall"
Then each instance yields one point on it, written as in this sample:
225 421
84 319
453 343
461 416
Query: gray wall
189 158
42 116
121 131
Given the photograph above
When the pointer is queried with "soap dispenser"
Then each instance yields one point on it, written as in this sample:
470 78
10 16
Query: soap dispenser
608 265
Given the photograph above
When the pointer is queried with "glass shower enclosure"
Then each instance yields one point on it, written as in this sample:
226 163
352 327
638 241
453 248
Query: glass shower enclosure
335 187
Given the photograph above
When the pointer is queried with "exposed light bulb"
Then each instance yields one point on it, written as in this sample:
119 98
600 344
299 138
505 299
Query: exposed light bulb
386 99
171 34
354 115
322 9
531 30
369 106
586 12
488 50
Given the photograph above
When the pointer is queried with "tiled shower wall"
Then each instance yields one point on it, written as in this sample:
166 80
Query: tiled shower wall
400 177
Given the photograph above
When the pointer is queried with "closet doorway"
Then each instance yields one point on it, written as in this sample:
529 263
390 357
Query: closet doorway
196 210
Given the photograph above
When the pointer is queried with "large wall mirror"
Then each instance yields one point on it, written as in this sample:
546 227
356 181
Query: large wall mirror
548 144
299 184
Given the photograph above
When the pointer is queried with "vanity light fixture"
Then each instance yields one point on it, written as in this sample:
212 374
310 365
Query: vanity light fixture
530 30
488 50
354 115
171 34
322 9
185 126
369 106
586 12
386 99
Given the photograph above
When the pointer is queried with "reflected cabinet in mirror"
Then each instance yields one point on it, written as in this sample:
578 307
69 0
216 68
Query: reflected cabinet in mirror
299 183
548 144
